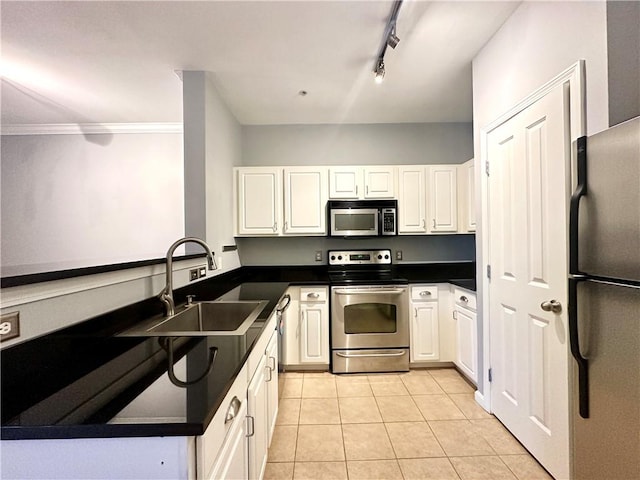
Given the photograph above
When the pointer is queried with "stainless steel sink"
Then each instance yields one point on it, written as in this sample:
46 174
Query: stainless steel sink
204 318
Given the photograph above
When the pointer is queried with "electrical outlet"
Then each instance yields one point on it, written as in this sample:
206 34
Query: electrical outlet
318 255
193 274
9 326
398 254
203 272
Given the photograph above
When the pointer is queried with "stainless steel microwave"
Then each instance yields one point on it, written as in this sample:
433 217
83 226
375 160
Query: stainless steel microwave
366 218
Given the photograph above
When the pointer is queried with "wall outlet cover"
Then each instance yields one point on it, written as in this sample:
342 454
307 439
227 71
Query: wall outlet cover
398 254
9 326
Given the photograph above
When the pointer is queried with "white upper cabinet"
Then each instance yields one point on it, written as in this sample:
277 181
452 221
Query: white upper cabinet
305 200
379 182
466 197
259 201
361 182
443 204
412 199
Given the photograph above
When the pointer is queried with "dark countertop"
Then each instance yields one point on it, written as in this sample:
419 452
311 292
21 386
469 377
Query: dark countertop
85 381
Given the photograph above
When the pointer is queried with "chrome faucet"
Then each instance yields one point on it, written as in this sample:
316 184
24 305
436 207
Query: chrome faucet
166 295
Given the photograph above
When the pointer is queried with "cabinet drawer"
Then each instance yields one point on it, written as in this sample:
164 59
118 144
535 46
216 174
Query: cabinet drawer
424 292
210 442
313 294
261 345
465 298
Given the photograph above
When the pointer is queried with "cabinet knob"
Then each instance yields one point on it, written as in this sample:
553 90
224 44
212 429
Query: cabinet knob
425 293
313 295
464 299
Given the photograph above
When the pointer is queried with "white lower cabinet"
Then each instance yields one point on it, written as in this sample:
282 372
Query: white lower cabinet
464 314
314 325
305 338
232 462
257 421
271 355
424 326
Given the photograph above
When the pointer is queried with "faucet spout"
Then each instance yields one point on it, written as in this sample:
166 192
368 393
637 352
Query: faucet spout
166 295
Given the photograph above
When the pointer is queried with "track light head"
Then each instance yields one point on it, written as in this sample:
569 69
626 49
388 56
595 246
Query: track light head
392 39
379 70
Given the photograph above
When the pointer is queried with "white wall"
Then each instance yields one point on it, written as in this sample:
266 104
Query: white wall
73 200
372 144
538 41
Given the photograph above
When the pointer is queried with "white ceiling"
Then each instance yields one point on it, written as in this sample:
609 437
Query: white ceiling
115 61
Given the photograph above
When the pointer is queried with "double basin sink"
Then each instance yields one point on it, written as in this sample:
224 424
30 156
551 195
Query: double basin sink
203 318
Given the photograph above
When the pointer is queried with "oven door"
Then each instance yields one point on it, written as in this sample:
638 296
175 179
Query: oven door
348 222
369 317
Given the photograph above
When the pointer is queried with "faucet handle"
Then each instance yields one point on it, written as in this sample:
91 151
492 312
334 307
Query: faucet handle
190 299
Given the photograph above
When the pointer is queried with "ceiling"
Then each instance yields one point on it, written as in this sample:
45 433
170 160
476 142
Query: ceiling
116 61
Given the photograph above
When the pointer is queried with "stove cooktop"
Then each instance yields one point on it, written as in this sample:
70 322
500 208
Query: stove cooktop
362 267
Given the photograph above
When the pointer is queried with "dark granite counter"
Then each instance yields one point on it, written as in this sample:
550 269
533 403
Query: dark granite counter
85 380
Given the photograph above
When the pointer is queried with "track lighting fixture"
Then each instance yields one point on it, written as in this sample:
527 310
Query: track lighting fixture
390 39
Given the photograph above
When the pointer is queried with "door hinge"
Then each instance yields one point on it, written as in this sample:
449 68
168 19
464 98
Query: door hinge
486 167
490 376
489 272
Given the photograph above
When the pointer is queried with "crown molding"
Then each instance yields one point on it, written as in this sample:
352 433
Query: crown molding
90 128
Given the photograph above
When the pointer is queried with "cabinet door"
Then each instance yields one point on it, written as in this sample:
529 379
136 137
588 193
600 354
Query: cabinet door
314 333
345 182
467 331
305 200
443 205
259 201
232 462
412 200
272 384
425 340
379 182
257 418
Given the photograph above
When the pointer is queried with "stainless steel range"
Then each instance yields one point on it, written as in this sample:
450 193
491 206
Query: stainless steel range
369 313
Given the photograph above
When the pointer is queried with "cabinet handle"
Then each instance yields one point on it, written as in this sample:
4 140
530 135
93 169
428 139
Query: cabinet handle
434 223
270 373
274 362
415 312
253 426
425 293
455 315
232 411
464 299
313 295
424 224
366 190
356 190
275 227
285 226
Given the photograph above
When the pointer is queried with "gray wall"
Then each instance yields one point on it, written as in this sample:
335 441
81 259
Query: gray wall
411 143
301 251
623 49
372 144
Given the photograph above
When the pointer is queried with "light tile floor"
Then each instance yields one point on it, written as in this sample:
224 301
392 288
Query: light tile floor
424 424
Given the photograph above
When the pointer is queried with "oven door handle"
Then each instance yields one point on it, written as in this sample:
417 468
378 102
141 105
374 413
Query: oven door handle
381 354
373 291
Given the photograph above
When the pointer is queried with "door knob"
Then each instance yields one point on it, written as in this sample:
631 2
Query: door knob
551 306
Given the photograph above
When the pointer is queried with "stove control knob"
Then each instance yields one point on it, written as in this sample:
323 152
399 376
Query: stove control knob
333 257
386 257
339 257
379 257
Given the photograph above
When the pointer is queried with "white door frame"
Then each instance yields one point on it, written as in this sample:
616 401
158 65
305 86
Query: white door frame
574 78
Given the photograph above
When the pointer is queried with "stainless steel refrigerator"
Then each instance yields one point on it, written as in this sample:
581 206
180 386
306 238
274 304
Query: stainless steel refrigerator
604 305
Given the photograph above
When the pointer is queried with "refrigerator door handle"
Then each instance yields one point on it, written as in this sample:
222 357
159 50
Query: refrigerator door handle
574 341
580 191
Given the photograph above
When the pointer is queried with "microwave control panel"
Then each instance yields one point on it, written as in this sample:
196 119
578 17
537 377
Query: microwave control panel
388 221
